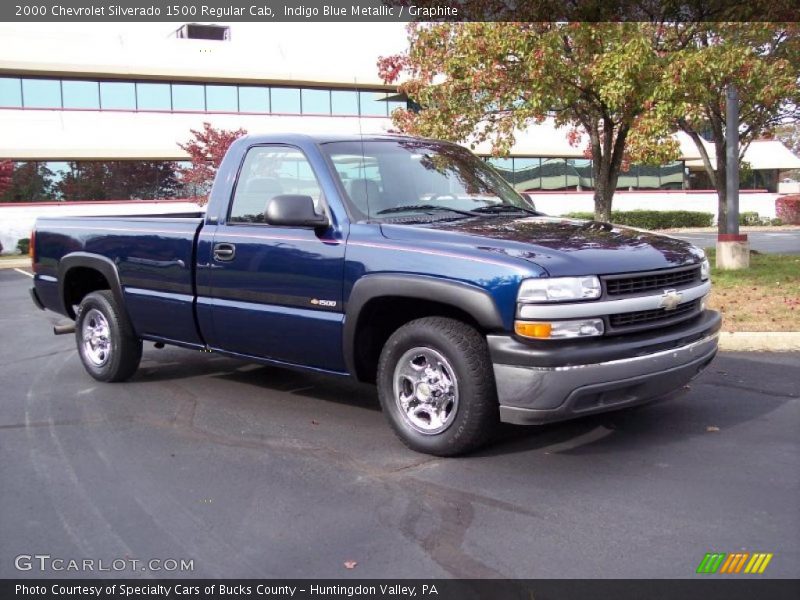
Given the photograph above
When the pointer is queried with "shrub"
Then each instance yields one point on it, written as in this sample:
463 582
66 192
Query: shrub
788 209
654 219
775 222
749 218
23 245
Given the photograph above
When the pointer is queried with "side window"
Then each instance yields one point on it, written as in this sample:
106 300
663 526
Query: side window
270 171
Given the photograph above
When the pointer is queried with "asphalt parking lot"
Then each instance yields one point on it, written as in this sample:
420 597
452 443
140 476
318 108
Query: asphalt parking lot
253 471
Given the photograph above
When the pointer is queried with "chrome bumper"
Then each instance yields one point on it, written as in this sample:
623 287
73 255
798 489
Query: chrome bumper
536 395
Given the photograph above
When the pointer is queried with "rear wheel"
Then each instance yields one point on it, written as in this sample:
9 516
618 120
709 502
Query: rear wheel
436 386
107 351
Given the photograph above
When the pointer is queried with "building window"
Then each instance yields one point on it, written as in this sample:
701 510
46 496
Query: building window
286 100
579 174
344 102
193 97
41 93
672 176
81 94
316 102
395 104
628 179
504 166
527 174
188 97
117 95
554 173
153 96
221 98
373 104
10 92
254 99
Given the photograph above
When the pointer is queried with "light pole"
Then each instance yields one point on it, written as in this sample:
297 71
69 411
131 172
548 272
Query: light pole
733 248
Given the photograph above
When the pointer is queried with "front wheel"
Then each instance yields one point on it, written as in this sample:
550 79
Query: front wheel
107 351
436 386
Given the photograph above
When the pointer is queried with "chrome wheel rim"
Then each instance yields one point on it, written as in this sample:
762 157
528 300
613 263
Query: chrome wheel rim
96 338
426 390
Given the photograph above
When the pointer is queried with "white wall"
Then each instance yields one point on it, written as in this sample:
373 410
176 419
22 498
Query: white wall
16 220
559 203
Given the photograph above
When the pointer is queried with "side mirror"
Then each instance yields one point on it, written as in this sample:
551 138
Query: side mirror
529 198
294 210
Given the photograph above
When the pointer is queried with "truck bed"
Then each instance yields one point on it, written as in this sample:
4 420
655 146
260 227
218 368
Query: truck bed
154 256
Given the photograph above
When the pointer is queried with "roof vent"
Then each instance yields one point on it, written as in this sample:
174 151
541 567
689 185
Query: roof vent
197 31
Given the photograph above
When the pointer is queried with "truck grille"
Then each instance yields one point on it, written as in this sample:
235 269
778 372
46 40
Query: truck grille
636 284
640 319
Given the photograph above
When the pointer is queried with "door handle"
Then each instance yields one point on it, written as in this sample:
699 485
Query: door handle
224 252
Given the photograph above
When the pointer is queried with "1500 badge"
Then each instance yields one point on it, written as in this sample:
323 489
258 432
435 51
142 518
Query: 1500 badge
327 303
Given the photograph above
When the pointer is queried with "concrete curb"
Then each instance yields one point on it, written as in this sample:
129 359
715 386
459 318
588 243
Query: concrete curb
23 262
760 341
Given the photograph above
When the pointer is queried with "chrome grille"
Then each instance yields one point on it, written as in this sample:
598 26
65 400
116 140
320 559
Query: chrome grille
647 282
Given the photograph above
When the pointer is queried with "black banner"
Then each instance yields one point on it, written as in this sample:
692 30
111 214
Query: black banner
403 589
397 10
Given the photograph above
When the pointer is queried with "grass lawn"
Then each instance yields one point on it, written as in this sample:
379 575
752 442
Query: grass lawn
765 297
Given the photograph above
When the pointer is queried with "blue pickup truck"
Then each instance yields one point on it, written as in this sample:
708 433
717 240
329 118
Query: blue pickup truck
401 261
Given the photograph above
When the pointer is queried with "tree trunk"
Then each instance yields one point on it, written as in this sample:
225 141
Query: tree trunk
722 185
603 195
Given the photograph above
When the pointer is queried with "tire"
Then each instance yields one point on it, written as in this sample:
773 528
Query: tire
107 352
436 386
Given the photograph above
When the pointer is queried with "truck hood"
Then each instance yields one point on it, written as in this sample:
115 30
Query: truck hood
563 247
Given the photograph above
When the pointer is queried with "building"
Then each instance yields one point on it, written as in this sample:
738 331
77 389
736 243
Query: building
98 113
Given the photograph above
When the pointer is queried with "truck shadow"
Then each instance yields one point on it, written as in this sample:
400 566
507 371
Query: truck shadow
720 399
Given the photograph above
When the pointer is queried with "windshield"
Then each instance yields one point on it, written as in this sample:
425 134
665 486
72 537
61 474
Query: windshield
388 179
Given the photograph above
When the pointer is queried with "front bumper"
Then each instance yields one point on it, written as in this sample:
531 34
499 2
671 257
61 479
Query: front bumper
537 389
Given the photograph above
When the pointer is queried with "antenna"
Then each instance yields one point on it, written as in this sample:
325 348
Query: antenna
362 168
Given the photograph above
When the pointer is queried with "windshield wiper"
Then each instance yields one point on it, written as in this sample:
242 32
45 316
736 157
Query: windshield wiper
497 208
425 207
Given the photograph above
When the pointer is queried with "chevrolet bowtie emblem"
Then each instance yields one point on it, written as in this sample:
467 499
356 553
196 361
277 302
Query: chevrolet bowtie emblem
670 299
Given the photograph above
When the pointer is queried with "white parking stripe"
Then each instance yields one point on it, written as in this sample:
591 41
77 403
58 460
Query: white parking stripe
24 272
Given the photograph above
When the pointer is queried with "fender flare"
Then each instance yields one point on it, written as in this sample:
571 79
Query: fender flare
105 266
475 301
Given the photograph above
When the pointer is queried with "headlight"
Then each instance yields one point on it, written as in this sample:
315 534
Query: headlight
705 270
559 289
559 330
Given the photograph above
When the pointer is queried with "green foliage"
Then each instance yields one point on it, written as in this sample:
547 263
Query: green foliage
749 218
654 219
23 245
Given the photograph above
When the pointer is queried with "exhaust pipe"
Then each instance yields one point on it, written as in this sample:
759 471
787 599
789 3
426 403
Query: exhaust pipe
64 329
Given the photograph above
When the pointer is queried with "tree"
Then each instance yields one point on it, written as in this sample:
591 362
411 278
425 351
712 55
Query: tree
30 182
119 180
762 60
789 134
484 80
206 151
6 174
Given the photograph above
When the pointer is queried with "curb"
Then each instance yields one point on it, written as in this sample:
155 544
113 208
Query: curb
15 263
760 341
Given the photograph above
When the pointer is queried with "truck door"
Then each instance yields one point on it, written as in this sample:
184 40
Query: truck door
274 292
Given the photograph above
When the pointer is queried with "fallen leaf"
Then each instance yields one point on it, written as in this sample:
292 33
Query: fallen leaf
712 428
350 564
313 422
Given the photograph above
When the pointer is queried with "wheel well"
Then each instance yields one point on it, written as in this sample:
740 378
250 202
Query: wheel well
381 317
80 281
